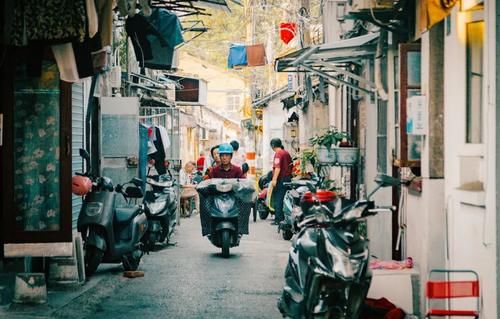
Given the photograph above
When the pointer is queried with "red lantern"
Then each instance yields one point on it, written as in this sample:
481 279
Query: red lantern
287 31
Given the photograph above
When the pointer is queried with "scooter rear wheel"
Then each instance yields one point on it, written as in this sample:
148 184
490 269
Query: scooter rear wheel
93 257
226 242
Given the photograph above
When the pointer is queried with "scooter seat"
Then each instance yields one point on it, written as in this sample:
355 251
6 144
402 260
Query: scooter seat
125 214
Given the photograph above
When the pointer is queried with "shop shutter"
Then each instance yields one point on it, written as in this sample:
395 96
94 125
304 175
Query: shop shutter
77 130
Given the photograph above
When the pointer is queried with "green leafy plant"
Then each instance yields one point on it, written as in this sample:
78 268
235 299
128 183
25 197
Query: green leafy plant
330 184
306 156
331 136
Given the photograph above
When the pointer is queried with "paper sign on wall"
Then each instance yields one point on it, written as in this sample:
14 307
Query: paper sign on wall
416 115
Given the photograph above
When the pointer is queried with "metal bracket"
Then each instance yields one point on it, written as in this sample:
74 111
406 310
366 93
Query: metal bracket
335 80
347 73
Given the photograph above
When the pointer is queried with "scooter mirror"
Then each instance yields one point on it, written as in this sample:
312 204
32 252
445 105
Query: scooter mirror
386 180
137 182
244 168
84 154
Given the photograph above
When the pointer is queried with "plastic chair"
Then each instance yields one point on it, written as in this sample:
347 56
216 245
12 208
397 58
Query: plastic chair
451 289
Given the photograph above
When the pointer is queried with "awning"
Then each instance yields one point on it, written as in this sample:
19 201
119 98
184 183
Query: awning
269 97
329 60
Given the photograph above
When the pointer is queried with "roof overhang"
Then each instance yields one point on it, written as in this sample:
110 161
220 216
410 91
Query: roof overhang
330 60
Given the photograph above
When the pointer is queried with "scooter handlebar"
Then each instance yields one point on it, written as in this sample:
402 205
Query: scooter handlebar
383 209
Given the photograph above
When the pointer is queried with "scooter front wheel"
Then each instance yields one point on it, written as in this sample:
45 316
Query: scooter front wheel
287 234
261 208
93 257
226 242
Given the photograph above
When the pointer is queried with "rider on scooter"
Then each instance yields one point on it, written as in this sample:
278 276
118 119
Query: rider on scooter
225 169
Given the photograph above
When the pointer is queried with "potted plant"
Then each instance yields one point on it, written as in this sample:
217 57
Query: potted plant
335 147
345 153
304 161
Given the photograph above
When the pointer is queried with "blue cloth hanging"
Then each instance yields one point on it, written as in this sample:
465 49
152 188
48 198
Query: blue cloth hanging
169 26
237 56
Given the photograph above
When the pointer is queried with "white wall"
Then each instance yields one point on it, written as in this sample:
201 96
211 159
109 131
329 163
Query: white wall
472 229
273 118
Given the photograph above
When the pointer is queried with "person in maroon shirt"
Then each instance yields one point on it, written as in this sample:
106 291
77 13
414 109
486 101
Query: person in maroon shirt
282 173
225 169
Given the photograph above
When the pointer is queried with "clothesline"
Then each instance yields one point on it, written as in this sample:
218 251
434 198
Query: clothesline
141 117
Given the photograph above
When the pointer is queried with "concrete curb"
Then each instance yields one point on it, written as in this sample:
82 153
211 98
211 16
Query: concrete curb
57 298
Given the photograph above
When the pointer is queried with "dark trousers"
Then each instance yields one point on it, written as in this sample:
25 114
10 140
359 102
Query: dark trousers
278 196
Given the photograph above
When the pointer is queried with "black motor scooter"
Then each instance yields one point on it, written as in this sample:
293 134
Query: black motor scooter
111 234
160 205
292 212
327 275
225 210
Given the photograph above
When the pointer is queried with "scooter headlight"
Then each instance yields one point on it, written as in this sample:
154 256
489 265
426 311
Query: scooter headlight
345 265
224 204
93 209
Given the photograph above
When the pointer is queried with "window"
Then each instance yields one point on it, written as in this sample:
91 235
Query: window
233 102
203 134
474 108
409 70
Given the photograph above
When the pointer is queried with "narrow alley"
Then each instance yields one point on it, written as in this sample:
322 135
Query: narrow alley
192 280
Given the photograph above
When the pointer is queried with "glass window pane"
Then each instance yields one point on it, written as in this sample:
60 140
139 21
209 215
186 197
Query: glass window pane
396 73
415 143
474 112
413 68
36 150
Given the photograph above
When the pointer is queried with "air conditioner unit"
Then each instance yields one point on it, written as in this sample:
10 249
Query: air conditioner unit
362 5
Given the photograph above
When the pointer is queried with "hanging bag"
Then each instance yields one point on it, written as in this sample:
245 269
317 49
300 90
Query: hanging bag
116 70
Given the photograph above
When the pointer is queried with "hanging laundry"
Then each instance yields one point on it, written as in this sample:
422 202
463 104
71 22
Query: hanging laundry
169 26
164 137
83 55
138 28
162 144
256 55
66 62
288 30
104 10
237 56
51 21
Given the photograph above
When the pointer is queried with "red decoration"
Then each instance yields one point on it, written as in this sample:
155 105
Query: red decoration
287 31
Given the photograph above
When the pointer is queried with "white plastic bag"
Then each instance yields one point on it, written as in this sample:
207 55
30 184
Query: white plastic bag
116 71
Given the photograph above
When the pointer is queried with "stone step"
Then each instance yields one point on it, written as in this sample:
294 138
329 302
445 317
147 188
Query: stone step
63 271
30 288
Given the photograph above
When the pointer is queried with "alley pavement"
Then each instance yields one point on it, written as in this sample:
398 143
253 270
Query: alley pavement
189 280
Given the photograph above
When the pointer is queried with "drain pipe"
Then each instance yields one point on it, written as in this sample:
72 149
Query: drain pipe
382 93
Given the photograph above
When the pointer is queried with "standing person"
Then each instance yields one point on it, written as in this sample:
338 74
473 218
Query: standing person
200 162
225 169
214 160
282 173
238 156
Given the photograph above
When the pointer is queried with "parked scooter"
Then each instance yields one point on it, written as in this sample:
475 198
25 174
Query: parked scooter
291 206
160 205
111 234
327 275
225 210
260 206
